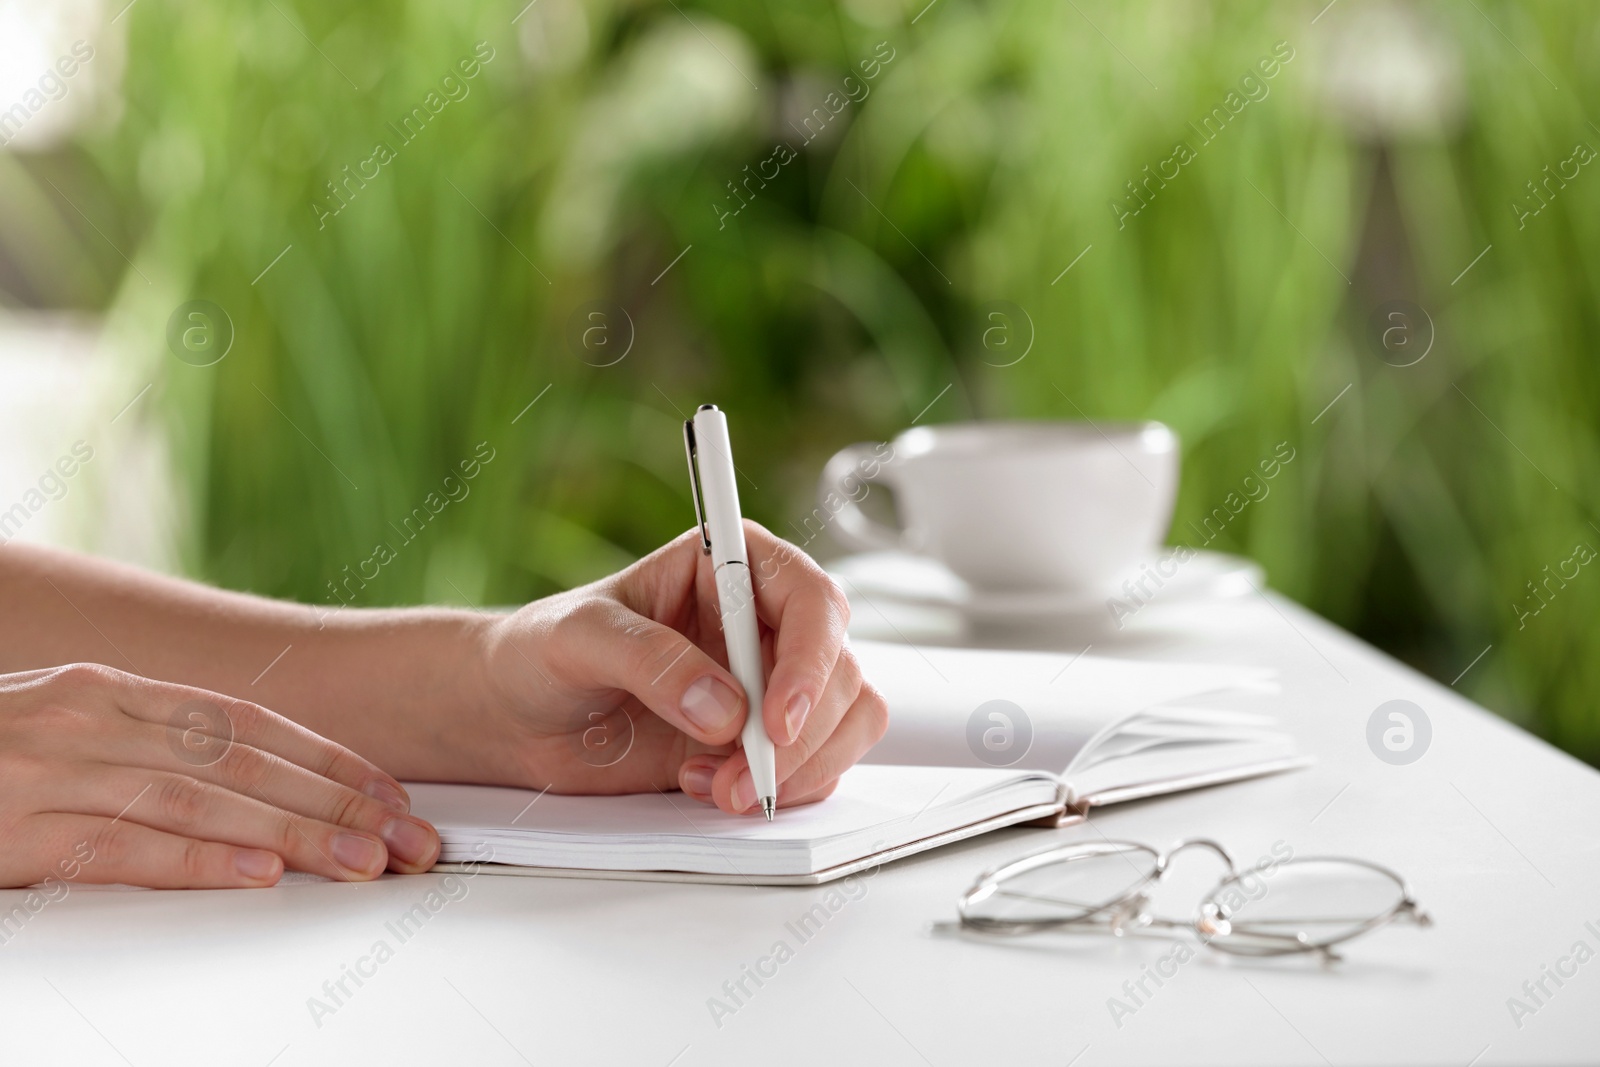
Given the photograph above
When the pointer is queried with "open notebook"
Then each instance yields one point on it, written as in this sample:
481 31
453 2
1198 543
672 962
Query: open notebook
1110 729
1090 731
876 815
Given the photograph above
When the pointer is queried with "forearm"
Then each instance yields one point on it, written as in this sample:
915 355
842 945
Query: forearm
397 686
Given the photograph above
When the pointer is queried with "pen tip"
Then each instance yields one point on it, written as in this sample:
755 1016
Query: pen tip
768 805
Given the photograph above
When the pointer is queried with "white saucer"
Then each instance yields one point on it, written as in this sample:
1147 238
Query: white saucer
903 578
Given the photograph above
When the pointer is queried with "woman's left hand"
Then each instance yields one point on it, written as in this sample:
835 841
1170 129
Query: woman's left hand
620 686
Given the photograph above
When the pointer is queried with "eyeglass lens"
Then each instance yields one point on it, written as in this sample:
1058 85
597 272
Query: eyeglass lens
1303 903
1066 890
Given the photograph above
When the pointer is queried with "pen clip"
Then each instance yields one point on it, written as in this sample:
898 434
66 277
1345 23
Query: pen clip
694 485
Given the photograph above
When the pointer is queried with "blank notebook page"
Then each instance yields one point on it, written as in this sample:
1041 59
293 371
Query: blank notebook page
874 808
1068 698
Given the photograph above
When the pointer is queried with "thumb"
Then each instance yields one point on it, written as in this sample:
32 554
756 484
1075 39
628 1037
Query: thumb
666 671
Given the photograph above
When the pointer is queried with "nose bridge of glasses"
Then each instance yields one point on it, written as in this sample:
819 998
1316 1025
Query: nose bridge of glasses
1195 843
1177 890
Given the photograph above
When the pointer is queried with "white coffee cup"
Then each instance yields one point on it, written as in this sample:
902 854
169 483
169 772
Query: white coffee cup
1013 505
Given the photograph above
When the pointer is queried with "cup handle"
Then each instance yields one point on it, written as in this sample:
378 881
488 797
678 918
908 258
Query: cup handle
842 477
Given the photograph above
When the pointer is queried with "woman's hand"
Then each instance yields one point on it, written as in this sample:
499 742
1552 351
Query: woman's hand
110 777
619 687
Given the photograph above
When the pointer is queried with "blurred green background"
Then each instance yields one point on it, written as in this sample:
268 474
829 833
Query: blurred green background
973 154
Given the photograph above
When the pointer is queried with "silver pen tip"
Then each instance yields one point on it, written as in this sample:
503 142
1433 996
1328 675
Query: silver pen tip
769 805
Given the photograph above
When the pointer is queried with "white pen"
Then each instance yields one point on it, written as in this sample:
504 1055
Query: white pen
716 507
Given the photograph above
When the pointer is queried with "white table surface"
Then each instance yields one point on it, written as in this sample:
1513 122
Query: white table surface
1498 833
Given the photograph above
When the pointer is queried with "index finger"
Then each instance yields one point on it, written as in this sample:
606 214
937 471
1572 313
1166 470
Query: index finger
808 613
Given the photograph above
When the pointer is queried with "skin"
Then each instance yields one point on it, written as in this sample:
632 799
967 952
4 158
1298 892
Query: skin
162 733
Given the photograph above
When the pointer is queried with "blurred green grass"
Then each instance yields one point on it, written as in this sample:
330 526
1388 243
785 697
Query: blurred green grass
856 285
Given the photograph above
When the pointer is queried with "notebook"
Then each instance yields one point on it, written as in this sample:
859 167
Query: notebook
876 815
1080 732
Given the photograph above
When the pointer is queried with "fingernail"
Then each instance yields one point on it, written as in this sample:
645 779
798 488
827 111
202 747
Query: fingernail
256 865
358 854
744 792
696 780
710 704
794 716
386 794
410 841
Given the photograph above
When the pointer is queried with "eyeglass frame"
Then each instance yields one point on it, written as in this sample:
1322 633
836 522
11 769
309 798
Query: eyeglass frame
1202 925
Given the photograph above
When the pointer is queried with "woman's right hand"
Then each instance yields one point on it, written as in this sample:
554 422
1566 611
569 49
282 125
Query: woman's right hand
110 777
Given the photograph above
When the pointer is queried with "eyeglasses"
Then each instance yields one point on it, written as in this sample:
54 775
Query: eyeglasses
1280 906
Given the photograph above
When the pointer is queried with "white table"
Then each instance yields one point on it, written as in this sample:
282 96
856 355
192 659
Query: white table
1498 834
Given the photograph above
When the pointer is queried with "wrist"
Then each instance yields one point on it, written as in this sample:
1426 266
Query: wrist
469 731
433 708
